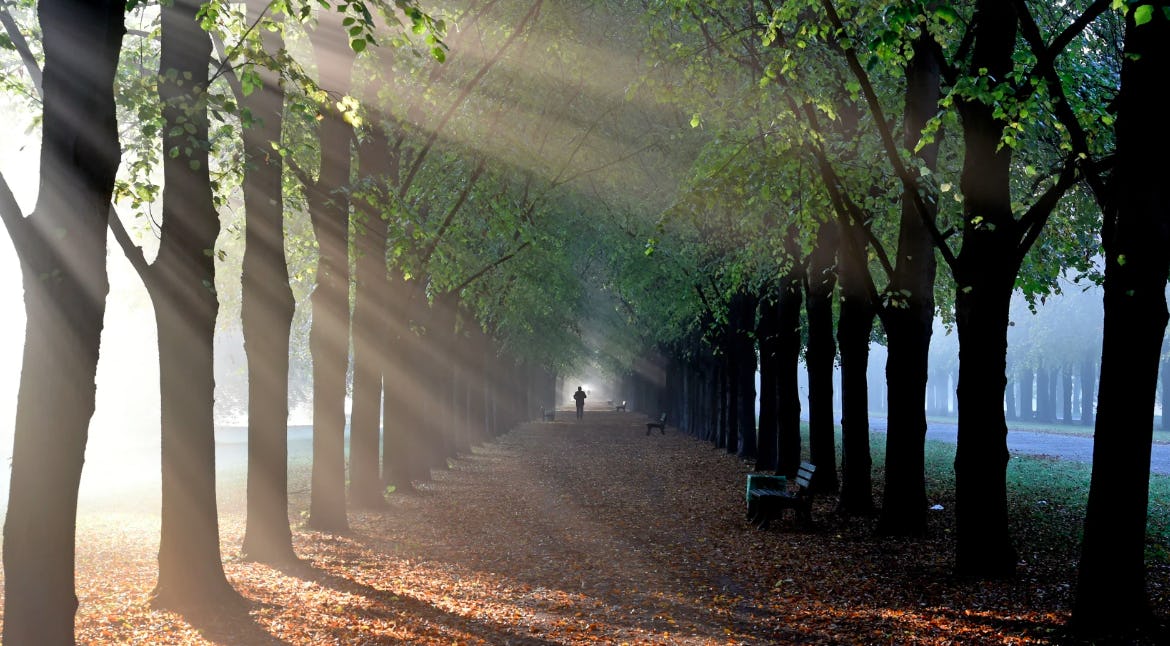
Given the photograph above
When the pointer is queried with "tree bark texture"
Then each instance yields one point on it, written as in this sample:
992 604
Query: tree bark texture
1111 590
984 277
1009 402
787 378
400 446
767 331
267 306
329 333
369 319
182 289
744 349
854 328
821 355
1027 385
908 316
80 152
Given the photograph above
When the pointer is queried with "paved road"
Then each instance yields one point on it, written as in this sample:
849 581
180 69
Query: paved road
1066 447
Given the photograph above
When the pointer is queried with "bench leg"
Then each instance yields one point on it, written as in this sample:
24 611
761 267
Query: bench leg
804 512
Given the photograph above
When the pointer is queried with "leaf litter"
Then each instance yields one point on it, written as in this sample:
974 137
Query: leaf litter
583 532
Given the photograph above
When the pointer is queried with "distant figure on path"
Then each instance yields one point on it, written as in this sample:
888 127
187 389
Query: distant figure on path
580 397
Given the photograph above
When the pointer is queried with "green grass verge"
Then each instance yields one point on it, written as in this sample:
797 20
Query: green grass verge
1046 498
1057 428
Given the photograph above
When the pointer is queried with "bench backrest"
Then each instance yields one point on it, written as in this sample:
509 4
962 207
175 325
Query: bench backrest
764 481
804 474
662 418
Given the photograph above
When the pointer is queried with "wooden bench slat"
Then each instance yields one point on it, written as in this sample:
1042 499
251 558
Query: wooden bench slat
765 503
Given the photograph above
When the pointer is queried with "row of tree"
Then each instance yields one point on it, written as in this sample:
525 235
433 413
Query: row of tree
465 230
1025 129
374 163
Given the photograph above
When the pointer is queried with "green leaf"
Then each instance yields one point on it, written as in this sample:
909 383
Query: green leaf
1143 14
358 45
946 14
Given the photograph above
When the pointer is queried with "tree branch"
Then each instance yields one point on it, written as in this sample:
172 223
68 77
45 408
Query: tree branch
909 183
1045 67
132 251
1036 217
22 48
12 216
434 243
483 70
496 263
224 55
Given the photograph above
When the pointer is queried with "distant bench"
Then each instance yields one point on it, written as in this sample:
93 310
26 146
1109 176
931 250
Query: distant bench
549 415
769 500
660 424
621 406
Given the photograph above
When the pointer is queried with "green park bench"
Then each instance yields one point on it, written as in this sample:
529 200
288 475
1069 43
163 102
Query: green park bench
769 496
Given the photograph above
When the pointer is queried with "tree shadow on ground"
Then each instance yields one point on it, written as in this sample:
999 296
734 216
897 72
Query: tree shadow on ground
232 624
391 605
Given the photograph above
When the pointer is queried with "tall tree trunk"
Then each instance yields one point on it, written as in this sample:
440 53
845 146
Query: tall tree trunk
984 278
1009 403
730 349
1043 395
981 459
1111 590
744 346
854 327
908 317
181 286
79 159
267 313
329 334
369 318
1027 407
1165 394
715 389
821 355
1088 386
441 340
1077 387
767 331
908 333
1066 394
788 376
399 450
420 373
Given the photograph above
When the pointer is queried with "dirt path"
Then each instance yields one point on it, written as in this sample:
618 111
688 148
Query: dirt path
577 532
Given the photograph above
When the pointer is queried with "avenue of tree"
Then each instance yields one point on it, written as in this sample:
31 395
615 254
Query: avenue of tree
437 210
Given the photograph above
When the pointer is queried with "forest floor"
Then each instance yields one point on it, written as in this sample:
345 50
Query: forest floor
588 532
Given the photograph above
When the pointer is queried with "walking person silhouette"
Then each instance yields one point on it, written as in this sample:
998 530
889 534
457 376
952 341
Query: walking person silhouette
579 396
